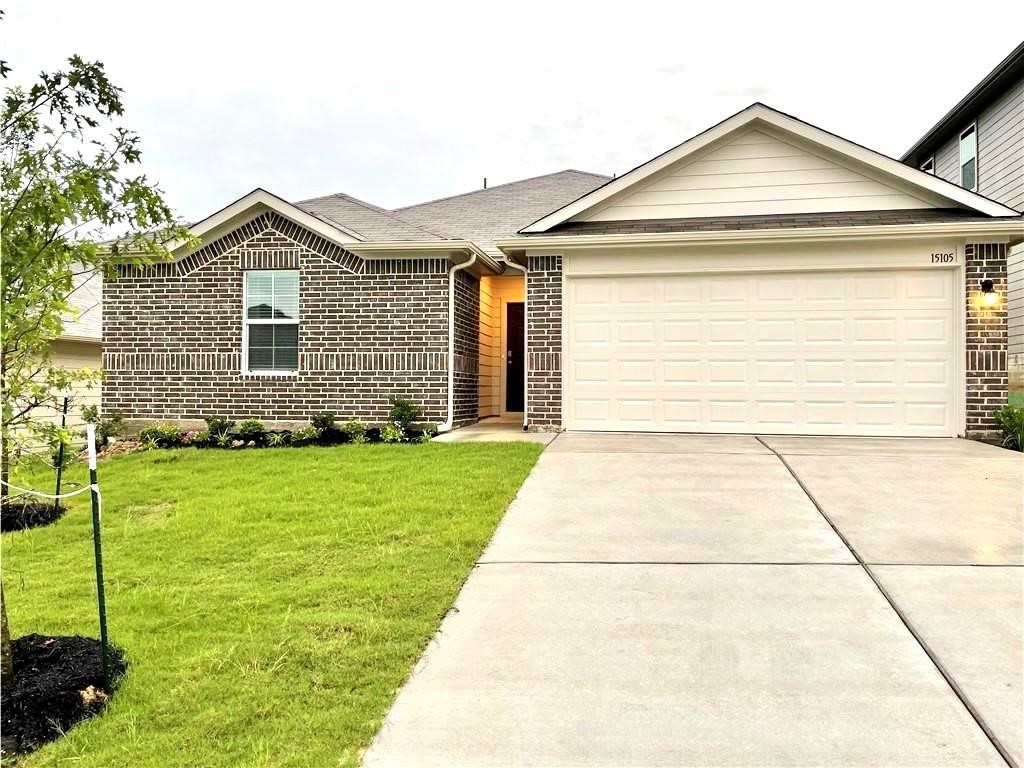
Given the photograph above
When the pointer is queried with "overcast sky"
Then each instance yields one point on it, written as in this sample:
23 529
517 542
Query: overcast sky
400 103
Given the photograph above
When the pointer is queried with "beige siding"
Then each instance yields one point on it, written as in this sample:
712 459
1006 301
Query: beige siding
495 292
75 355
753 173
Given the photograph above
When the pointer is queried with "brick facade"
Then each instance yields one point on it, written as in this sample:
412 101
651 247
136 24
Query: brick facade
544 342
368 330
467 347
986 364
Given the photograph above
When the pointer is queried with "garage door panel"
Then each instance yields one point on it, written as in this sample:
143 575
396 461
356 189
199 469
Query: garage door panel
750 353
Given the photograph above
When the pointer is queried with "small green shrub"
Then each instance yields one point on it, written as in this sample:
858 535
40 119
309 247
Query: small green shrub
221 439
404 412
305 436
1011 420
161 436
277 439
106 428
323 422
218 425
354 430
252 429
392 432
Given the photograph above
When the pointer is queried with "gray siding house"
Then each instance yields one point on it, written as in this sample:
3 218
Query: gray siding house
979 145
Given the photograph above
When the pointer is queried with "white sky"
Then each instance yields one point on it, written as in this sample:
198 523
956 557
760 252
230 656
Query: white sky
397 103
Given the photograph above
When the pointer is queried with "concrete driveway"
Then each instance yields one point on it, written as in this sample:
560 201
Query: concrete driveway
734 601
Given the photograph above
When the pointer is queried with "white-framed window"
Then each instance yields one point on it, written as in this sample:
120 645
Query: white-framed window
928 166
270 330
969 158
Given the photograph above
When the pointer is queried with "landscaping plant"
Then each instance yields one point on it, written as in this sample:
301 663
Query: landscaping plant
1011 420
252 430
404 412
106 428
354 430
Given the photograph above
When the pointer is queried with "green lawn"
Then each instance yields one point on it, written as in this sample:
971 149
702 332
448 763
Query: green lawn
270 602
1017 398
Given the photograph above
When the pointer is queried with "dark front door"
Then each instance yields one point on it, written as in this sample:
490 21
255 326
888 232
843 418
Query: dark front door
514 356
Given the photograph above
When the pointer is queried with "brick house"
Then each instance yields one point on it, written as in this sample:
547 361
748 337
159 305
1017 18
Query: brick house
763 276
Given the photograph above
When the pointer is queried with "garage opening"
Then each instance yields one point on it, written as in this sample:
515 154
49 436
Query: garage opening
819 352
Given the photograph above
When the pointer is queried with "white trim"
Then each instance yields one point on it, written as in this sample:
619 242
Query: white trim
1011 231
930 161
973 127
759 113
246 322
418 249
260 198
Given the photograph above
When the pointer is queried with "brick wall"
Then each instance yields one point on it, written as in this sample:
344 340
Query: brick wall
467 348
986 340
368 330
544 342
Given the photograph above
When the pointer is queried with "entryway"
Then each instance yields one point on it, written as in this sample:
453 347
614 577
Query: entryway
502 354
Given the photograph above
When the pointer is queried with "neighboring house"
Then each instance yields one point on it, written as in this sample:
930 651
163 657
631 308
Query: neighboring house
764 276
979 144
81 343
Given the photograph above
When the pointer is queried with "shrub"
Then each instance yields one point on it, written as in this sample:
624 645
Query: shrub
252 429
218 425
323 422
392 433
197 439
1011 420
112 426
354 430
305 436
403 412
277 439
161 436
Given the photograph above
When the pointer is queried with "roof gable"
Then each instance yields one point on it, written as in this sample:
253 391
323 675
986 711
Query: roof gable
752 172
724 172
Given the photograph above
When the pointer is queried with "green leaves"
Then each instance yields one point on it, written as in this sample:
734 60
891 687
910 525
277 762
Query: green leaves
72 203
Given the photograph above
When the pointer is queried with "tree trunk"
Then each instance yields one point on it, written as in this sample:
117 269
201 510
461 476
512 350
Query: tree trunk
7 662
6 659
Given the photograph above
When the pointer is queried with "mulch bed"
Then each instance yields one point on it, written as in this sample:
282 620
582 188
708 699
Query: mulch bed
58 681
17 515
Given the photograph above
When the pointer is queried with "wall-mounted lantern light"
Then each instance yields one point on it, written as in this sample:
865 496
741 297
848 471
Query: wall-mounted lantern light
988 293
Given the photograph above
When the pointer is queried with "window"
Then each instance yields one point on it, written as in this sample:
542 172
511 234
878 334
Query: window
969 158
271 329
928 166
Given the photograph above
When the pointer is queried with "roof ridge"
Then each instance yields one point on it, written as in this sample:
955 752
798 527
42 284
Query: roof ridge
498 186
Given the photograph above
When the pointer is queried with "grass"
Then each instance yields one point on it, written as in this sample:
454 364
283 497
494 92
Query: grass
270 603
1017 398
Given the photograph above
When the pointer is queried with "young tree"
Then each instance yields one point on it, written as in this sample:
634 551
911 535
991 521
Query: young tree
69 181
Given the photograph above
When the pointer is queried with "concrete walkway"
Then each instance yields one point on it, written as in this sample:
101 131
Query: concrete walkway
683 600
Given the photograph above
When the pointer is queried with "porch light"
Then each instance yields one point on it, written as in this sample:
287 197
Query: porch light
988 291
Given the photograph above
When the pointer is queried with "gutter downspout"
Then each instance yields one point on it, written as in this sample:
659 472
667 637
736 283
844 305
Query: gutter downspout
447 424
526 344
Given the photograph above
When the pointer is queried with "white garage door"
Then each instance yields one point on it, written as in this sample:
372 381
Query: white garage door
829 353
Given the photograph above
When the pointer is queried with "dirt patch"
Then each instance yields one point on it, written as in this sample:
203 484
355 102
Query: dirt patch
58 682
17 515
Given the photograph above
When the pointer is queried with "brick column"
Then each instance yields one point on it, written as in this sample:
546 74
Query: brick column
986 340
544 343
467 348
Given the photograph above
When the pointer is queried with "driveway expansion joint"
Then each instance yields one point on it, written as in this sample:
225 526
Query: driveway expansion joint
950 681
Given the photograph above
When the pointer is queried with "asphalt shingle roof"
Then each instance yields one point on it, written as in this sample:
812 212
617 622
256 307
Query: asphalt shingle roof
368 220
480 216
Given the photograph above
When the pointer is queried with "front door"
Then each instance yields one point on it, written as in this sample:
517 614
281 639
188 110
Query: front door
514 316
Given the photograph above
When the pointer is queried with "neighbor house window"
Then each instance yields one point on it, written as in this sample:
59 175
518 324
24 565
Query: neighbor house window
969 158
271 331
928 166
